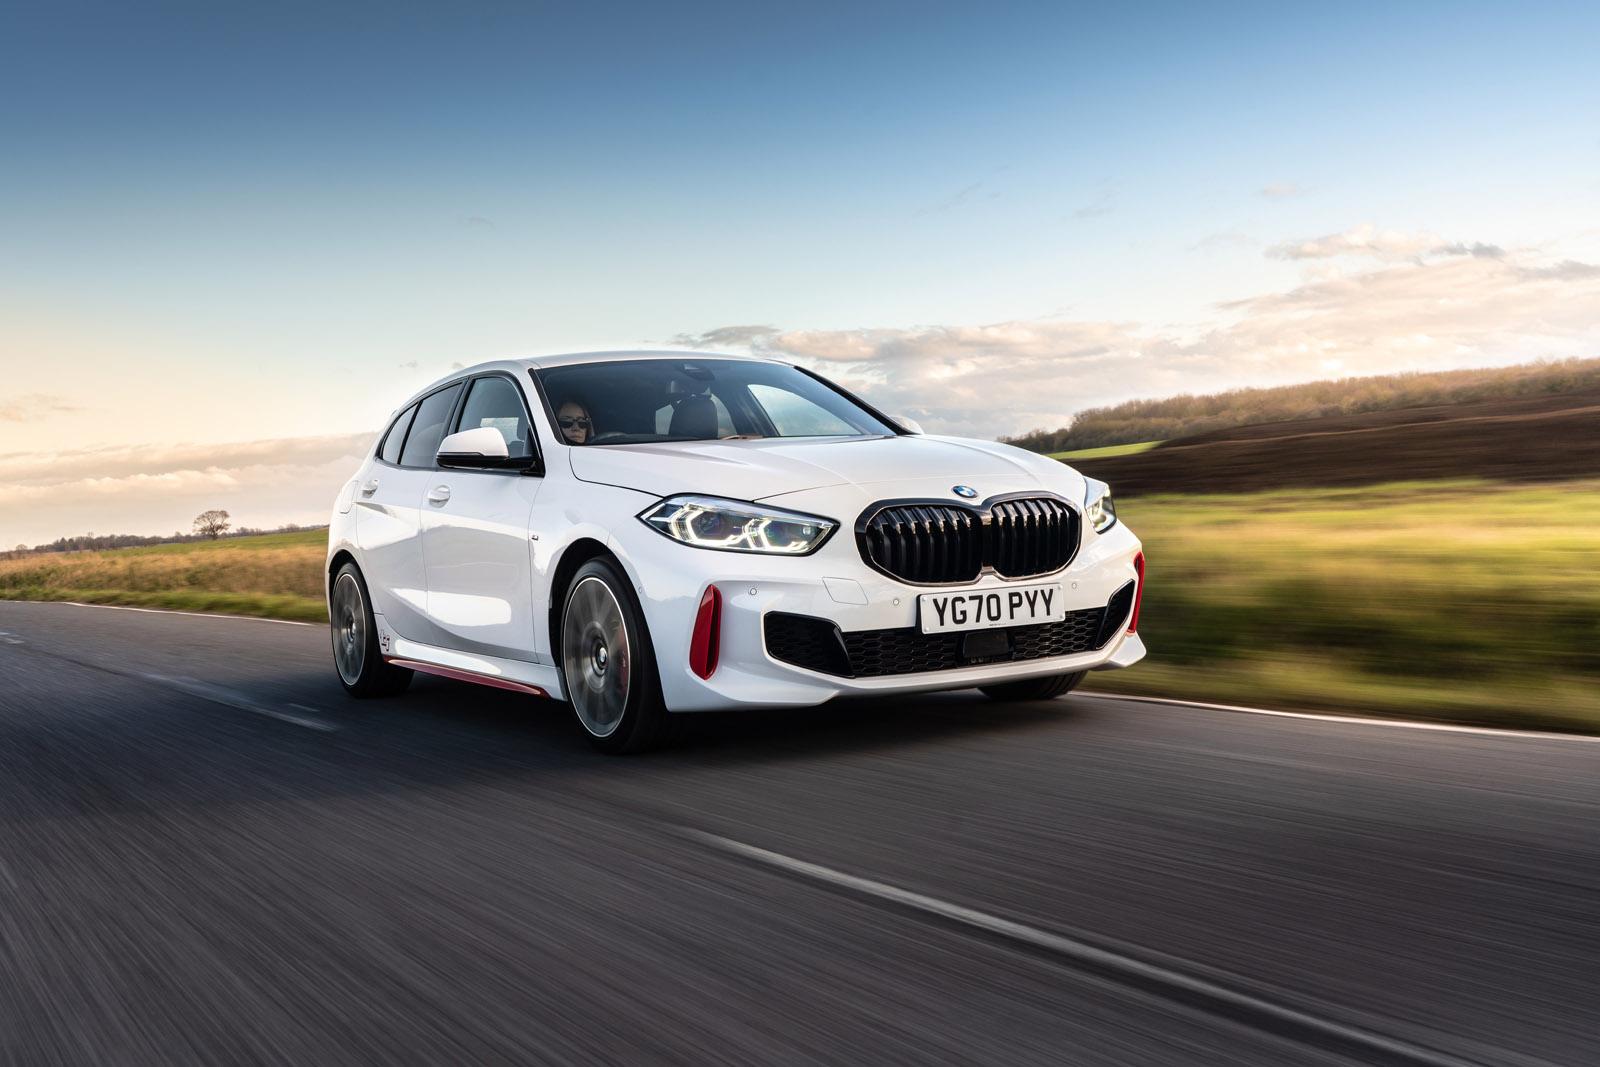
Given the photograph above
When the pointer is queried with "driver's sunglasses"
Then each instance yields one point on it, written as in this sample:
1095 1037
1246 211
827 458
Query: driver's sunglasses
567 422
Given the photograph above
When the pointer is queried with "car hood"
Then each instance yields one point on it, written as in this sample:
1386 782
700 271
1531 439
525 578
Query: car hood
771 468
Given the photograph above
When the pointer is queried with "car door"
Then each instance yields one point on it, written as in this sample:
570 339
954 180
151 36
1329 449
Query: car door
388 506
475 532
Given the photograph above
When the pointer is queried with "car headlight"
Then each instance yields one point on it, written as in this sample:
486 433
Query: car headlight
1098 505
737 526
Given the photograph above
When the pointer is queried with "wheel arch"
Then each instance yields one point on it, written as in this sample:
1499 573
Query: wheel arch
335 561
575 555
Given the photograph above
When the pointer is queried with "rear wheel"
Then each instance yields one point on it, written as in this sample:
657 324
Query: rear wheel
608 664
1047 688
356 656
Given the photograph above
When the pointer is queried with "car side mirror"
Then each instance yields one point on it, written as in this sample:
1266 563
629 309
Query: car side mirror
908 424
480 449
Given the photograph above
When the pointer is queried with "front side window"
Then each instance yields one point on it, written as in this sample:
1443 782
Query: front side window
396 438
427 430
640 401
495 402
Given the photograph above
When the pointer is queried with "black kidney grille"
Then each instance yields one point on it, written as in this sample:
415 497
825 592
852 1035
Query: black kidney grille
1034 535
925 542
819 645
935 543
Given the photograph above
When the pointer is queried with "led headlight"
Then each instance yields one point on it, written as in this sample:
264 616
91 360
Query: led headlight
1098 505
737 526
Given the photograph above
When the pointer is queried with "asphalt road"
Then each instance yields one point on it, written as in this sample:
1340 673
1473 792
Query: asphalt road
209 855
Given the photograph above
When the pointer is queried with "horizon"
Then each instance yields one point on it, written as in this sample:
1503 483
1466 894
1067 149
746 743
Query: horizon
238 239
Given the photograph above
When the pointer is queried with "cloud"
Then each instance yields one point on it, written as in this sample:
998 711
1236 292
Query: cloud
1463 309
1218 241
954 200
32 406
1103 204
1390 245
1281 190
159 488
726 337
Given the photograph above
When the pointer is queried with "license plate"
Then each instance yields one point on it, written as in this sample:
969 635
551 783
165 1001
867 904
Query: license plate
989 609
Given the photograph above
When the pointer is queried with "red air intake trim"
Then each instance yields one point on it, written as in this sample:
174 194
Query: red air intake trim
707 640
1138 594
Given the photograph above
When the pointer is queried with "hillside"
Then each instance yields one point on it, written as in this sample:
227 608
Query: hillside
1532 439
1186 416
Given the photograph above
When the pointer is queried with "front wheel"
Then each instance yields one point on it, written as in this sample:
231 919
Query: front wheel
1047 688
607 663
356 656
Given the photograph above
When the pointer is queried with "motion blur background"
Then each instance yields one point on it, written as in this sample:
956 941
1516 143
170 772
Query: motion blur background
235 237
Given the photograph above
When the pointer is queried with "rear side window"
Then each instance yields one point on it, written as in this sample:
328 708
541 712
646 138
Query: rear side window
390 452
422 443
495 402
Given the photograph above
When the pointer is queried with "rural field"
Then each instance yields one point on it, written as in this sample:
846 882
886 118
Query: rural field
274 575
1462 600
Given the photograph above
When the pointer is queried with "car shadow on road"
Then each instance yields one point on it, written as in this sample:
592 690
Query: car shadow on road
541 728
141 747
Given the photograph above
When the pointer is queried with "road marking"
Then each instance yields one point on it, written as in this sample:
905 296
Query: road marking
1356 720
164 611
1284 1020
228 698
10 638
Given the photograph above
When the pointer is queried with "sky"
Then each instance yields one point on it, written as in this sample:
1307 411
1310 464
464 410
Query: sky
233 238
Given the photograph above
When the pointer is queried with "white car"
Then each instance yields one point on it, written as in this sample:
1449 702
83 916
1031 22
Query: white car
641 533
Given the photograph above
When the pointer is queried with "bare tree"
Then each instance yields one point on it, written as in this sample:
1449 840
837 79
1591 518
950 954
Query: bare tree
212 524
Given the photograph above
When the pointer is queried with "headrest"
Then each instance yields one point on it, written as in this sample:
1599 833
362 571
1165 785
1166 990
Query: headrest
694 417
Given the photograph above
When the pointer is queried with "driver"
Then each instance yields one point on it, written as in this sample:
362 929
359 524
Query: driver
574 421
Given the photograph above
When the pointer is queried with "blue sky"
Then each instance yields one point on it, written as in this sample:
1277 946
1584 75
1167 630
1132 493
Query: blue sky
258 227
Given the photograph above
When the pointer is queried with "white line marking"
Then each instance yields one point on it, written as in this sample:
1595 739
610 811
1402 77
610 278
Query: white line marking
164 611
10 638
1354 720
228 698
1086 953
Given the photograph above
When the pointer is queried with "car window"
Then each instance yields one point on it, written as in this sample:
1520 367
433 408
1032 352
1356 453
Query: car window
795 416
422 443
390 450
647 400
495 402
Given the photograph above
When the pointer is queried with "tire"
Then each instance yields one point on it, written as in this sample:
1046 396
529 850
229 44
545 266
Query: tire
608 665
357 660
1047 688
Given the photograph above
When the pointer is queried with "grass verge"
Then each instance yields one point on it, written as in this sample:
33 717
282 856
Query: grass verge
274 576
1105 451
1456 601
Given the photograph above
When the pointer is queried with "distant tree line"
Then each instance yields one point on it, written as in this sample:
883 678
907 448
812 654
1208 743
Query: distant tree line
91 542
1183 416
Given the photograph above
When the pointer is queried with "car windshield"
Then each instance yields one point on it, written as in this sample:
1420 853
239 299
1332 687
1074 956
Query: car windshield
648 400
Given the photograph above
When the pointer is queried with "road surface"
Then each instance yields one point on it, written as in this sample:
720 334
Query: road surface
209 855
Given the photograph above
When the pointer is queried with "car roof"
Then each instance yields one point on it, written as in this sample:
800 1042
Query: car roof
567 359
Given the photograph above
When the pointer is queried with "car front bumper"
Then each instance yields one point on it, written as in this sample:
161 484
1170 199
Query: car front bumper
835 584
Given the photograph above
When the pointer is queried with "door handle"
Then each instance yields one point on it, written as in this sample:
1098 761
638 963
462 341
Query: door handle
370 487
438 494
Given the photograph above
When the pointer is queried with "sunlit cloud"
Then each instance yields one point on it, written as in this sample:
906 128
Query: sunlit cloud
156 489
1461 309
33 406
1369 241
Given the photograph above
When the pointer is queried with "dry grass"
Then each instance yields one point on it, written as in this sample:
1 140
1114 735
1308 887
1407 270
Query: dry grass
278 575
1463 601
